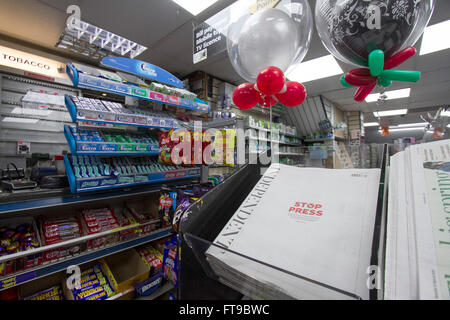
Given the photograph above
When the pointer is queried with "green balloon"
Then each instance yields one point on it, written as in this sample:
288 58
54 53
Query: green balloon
344 83
401 75
376 62
384 82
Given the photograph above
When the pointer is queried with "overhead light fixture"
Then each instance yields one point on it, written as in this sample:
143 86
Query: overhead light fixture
390 95
445 113
315 69
435 38
104 94
19 120
371 124
389 113
420 124
195 7
405 129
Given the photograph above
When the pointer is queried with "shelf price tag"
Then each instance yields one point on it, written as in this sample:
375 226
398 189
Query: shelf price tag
16 280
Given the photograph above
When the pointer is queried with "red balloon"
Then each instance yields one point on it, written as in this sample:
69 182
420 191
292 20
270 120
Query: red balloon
245 96
270 81
398 58
294 96
363 92
360 77
266 101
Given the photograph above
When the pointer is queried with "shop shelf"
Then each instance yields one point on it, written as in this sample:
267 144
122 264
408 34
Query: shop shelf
112 182
135 120
82 80
83 257
32 200
159 292
107 148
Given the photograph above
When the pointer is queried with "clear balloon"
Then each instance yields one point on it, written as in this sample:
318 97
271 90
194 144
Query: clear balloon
277 37
352 29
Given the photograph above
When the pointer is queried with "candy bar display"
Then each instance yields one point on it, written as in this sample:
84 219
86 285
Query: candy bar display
103 111
177 92
58 230
99 220
153 258
170 260
15 238
53 293
94 172
88 141
94 285
89 104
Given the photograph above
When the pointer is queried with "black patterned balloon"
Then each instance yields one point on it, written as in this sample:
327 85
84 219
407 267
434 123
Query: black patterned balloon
351 29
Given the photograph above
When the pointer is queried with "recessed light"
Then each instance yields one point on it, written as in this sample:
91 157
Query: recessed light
445 113
371 124
315 69
405 129
390 113
435 38
195 6
104 94
420 124
394 94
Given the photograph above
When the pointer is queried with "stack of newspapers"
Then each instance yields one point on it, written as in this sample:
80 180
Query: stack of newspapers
418 223
301 233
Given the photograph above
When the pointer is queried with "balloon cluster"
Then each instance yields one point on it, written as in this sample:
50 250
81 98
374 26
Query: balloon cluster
270 88
380 72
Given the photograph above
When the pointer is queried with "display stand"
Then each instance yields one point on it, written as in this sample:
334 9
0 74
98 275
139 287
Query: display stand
205 219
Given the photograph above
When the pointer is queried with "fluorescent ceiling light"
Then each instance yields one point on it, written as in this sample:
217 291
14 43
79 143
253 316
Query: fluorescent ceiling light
390 113
19 120
435 38
445 113
319 68
395 94
195 6
371 124
405 129
420 124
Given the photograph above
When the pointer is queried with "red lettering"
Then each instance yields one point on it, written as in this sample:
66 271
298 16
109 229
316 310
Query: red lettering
319 213
310 205
298 210
312 212
291 209
297 204
305 211
318 206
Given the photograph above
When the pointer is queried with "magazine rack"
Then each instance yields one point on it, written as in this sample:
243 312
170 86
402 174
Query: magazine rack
203 221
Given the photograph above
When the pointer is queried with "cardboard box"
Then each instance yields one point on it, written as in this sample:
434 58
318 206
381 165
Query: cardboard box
127 269
68 294
30 288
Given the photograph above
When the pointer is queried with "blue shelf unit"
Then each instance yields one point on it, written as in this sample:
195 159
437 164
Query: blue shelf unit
108 148
82 80
44 270
106 182
117 119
